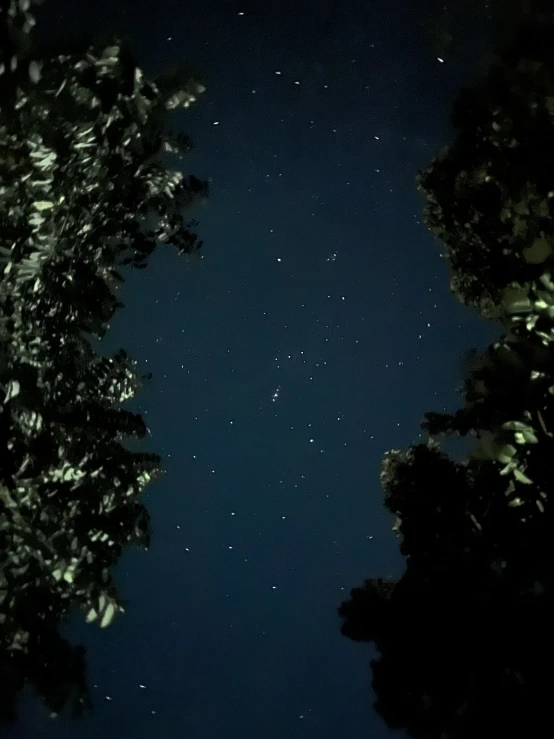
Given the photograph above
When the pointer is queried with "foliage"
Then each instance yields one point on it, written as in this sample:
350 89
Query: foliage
81 144
464 636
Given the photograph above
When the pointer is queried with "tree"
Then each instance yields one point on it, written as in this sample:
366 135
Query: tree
81 143
465 635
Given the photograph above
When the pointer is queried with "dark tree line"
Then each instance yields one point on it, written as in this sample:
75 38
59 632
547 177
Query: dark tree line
465 636
82 138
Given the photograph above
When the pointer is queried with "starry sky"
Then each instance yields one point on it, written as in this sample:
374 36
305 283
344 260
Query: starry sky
311 337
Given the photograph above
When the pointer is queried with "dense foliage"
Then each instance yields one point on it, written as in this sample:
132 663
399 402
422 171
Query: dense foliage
464 637
81 146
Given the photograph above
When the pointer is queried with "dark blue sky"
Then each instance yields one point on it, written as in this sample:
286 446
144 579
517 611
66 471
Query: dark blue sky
310 338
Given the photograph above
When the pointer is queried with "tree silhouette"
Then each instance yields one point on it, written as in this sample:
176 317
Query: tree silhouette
81 143
464 637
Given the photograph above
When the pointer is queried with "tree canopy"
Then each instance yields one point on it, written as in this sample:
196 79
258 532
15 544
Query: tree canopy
82 139
464 637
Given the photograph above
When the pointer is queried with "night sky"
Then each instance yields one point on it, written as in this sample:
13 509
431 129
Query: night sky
311 337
